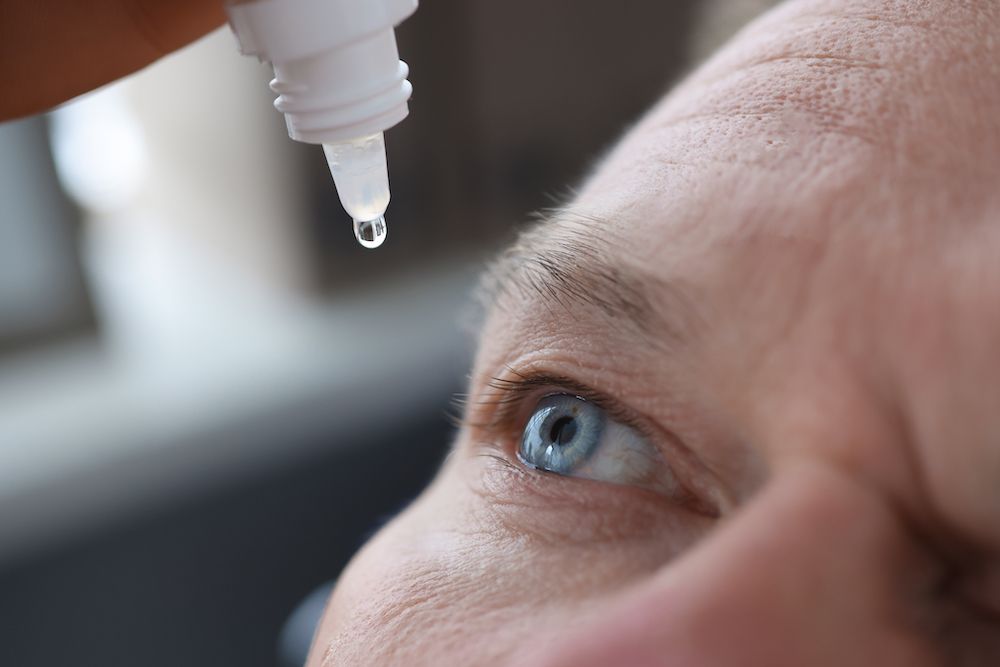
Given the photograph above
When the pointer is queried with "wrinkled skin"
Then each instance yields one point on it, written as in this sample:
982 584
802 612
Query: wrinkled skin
813 220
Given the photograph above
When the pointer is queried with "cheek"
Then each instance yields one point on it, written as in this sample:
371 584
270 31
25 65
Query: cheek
434 587
814 572
466 576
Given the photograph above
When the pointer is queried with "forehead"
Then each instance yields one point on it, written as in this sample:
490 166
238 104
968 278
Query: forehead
817 122
748 181
779 222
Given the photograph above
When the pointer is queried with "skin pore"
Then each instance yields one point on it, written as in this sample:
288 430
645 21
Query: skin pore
784 279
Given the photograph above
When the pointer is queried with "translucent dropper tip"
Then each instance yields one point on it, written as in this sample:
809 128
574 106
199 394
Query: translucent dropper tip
359 171
370 233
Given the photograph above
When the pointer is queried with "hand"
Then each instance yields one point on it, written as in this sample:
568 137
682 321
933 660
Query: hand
54 50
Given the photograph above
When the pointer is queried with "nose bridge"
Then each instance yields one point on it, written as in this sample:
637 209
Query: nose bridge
805 575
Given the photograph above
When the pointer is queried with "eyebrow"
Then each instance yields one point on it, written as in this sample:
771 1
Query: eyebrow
568 258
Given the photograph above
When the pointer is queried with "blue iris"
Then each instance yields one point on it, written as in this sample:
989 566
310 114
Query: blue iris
563 432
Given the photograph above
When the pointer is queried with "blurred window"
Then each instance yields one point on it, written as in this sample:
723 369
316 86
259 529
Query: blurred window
42 294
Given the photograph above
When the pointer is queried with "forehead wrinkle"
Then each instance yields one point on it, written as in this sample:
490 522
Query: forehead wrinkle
570 260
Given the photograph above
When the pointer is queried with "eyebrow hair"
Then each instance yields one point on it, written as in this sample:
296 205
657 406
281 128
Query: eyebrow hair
567 258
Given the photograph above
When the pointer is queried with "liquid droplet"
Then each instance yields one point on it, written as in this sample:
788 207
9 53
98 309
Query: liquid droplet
370 233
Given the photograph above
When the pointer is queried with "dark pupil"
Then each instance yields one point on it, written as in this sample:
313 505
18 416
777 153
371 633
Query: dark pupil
563 430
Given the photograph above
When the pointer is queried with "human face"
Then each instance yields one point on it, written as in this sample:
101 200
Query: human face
778 298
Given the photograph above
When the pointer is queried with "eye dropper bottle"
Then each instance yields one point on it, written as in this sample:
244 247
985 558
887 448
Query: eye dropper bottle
340 83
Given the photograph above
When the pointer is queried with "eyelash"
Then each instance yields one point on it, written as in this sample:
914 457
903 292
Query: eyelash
508 401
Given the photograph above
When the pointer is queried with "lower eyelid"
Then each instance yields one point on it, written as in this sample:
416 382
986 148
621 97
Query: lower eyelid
553 512
507 481
540 502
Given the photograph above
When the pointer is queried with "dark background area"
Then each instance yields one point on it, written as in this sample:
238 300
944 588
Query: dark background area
513 103
211 580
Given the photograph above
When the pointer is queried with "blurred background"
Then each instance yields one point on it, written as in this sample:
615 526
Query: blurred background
210 394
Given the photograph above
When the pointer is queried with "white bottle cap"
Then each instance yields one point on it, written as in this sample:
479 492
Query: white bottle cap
337 70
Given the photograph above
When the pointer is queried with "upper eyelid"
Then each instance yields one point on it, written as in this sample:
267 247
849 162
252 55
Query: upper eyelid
509 395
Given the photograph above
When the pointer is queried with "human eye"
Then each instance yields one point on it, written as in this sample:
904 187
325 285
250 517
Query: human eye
550 423
569 435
